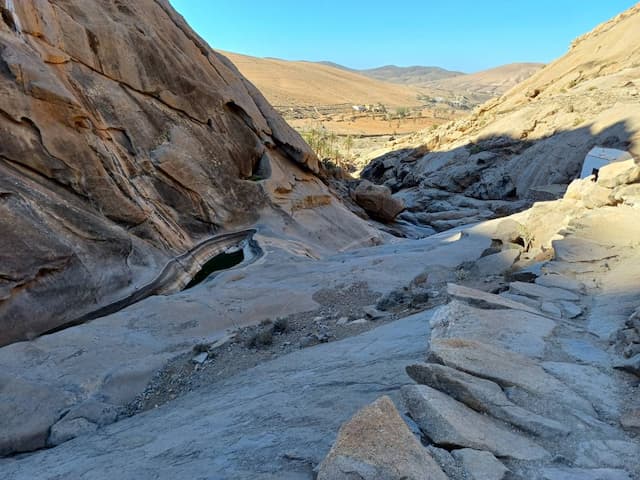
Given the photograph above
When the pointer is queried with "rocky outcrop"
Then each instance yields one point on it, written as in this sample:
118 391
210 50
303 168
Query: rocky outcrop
527 145
281 417
540 380
127 141
377 444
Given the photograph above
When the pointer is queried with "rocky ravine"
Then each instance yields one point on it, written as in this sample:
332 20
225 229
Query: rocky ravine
522 381
539 382
528 144
126 142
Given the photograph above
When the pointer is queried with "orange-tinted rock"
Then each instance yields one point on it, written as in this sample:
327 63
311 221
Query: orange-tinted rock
126 140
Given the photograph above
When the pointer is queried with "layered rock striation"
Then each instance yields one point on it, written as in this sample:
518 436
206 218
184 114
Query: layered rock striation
126 142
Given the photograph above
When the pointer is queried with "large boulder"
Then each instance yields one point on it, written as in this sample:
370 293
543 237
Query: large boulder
376 444
378 201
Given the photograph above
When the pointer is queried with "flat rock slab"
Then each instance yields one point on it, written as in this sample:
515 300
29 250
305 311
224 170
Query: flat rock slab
533 303
584 351
607 453
488 300
248 426
609 312
557 280
515 330
480 465
483 396
27 411
506 368
584 474
449 422
574 250
591 383
113 358
544 293
497 263
552 309
570 309
377 444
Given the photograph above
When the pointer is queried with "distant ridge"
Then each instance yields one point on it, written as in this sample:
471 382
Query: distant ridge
414 75
492 82
300 83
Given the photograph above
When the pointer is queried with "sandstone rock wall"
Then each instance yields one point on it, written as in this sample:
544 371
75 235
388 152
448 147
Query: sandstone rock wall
125 141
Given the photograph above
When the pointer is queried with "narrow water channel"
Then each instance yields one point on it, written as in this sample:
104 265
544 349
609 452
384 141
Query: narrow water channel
221 261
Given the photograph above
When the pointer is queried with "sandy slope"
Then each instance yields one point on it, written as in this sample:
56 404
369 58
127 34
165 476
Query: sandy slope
493 82
287 83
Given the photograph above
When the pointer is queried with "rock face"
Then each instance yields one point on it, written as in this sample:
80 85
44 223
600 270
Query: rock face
528 144
125 142
377 444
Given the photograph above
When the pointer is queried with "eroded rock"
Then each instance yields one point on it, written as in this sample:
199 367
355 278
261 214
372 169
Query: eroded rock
449 422
505 368
377 444
127 141
483 396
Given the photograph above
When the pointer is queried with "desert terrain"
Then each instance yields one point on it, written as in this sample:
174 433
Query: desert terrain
188 289
368 110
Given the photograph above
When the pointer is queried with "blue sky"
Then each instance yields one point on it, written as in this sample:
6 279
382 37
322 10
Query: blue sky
465 35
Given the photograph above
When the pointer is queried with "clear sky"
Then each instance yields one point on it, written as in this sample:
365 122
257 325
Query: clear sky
465 35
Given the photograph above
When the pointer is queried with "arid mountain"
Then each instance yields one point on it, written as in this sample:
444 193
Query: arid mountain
492 83
290 84
532 139
415 75
127 143
294 84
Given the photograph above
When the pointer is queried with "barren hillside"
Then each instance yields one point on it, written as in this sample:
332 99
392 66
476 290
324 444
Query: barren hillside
415 75
536 135
492 82
294 84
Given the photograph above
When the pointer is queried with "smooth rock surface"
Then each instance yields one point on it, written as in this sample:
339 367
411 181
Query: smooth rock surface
243 427
143 337
480 465
556 280
497 263
514 330
551 309
544 293
590 383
